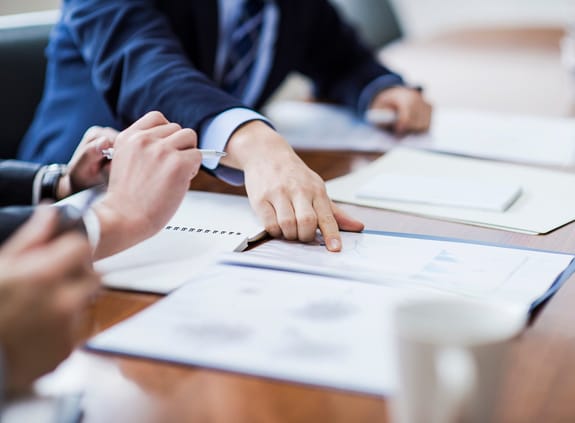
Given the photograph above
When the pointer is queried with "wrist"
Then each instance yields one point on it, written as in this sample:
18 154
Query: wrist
64 187
252 142
117 230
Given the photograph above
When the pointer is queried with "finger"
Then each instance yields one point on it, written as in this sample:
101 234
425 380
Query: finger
149 120
286 218
403 118
327 224
346 222
38 230
98 132
267 216
425 122
192 159
76 294
92 133
67 256
94 148
109 133
306 218
183 139
160 131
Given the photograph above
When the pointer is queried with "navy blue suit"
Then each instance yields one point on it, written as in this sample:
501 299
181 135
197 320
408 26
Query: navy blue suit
111 61
16 180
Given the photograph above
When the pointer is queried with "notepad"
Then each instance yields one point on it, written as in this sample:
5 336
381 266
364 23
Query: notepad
546 201
204 226
463 192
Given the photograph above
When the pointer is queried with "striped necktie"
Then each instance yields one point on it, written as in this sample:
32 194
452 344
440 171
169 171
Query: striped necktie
243 48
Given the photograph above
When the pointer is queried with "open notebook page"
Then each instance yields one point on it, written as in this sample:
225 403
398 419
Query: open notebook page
205 225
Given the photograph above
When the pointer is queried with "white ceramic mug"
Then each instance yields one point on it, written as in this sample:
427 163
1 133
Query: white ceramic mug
450 357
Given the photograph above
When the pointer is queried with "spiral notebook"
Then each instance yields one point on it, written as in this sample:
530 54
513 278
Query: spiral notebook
205 225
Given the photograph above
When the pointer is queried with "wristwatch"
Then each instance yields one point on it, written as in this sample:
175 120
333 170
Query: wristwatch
50 179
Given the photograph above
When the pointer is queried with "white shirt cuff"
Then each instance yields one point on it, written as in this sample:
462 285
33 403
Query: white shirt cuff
37 185
216 133
374 87
92 225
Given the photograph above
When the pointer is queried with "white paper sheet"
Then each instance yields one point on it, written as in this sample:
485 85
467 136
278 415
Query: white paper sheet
473 193
546 202
517 138
333 331
485 272
303 328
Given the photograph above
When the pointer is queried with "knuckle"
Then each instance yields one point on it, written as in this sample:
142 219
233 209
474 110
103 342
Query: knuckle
175 126
287 224
92 132
307 220
273 229
156 116
307 236
190 134
142 139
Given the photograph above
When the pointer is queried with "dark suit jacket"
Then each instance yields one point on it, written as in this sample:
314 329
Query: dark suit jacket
16 180
111 61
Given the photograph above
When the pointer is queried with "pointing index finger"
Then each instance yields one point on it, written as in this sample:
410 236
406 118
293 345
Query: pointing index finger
328 225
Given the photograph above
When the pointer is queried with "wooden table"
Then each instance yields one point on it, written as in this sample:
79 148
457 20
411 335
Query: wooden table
540 382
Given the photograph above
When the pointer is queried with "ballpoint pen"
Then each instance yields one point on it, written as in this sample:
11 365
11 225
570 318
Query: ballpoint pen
109 153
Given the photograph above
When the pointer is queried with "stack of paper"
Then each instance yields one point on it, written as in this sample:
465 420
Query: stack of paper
546 201
316 323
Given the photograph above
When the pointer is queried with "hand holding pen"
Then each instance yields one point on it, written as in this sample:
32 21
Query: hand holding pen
206 154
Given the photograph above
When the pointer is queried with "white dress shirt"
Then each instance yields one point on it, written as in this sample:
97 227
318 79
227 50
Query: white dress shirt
216 133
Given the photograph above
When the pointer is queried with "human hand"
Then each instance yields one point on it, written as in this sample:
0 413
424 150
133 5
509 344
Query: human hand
154 162
87 167
289 198
413 112
45 283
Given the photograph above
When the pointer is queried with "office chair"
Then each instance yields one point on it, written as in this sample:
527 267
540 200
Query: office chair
23 39
376 20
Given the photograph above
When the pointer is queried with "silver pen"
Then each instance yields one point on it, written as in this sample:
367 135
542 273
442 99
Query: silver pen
206 154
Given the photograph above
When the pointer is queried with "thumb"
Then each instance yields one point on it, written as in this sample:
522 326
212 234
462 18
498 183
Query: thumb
346 222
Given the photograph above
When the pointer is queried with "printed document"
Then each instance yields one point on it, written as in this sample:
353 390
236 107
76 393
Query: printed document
300 313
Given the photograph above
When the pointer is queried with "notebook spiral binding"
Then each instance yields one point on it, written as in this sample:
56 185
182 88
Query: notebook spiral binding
200 230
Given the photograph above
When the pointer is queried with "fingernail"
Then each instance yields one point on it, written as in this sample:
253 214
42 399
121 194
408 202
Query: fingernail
334 244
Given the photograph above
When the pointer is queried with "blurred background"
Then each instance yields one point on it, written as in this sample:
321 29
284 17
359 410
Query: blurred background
382 20
509 56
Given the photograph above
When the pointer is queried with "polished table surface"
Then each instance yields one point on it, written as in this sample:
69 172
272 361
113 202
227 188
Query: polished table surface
539 382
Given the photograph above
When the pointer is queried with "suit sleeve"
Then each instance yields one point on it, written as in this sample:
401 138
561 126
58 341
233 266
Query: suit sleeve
138 64
17 182
11 218
340 65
